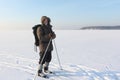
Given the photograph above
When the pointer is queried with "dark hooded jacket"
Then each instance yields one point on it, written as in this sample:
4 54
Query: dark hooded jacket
43 35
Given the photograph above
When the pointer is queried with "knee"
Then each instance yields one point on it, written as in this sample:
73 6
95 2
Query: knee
41 53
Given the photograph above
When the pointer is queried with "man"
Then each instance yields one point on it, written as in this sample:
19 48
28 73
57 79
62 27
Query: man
45 34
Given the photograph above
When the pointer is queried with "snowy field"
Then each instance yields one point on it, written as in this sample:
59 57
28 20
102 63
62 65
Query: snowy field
84 55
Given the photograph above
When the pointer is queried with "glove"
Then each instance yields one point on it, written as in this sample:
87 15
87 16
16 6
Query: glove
52 35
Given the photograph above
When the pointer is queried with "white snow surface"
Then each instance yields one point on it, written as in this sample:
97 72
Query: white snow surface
84 55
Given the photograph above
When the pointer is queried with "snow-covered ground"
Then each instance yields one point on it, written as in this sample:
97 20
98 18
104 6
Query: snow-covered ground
84 55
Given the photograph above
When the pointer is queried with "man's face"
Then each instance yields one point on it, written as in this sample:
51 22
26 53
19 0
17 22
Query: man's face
45 21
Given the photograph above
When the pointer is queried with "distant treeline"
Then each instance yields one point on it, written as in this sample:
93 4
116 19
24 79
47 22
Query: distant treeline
101 28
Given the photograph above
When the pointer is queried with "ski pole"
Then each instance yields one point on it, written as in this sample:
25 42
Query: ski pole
43 57
57 55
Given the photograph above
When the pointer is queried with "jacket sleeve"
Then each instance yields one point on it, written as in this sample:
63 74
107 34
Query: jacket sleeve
53 35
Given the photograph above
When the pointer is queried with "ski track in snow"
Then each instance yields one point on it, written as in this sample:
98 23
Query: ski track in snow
69 72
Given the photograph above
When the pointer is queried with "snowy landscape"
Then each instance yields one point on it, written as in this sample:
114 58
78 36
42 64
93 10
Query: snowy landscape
84 55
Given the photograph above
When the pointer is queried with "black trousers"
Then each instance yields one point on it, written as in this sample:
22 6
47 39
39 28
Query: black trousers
47 57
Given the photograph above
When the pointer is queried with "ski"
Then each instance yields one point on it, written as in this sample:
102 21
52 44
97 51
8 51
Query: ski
45 76
49 72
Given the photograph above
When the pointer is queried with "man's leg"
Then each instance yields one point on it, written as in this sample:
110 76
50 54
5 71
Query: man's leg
40 73
47 61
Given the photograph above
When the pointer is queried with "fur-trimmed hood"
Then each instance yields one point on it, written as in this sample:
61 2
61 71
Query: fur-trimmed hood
43 19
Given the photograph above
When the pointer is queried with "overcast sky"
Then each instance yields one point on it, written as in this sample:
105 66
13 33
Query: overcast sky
23 14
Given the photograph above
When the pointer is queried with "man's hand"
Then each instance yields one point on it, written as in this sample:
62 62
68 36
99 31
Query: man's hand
51 35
